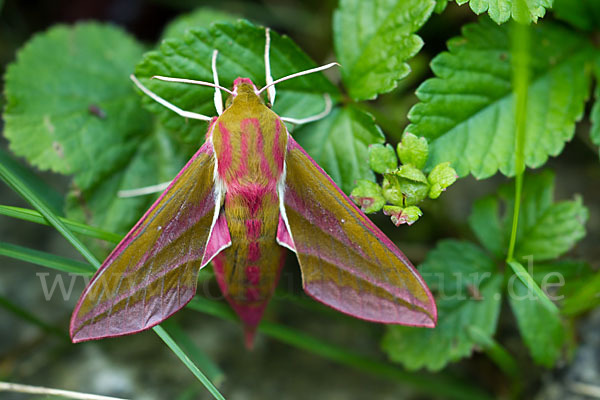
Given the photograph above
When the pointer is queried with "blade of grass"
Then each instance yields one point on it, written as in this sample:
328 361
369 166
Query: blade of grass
444 386
45 259
26 214
29 317
520 56
21 187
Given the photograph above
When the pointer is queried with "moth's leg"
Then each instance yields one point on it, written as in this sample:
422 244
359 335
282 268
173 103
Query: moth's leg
312 118
163 102
269 79
218 97
143 190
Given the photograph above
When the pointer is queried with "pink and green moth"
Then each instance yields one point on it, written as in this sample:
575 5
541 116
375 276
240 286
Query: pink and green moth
247 197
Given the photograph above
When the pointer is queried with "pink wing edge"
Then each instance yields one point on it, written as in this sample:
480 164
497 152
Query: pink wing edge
285 239
213 247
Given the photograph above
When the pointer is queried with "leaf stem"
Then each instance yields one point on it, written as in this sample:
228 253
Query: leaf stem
520 57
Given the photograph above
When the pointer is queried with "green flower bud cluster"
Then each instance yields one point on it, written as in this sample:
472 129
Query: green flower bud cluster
405 185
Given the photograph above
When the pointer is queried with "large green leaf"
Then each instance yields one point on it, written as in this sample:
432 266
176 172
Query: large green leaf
374 39
157 159
339 144
241 53
199 18
70 106
467 289
467 110
540 326
501 10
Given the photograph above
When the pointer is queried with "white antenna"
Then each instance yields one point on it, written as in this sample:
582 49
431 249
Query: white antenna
297 74
193 82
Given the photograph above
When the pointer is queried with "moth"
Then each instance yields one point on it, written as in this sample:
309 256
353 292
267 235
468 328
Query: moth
247 197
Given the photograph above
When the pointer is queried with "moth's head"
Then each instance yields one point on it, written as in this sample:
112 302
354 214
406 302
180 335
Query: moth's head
244 90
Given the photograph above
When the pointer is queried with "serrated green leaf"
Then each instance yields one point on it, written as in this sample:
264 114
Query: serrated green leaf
70 106
241 49
156 160
555 232
382 158
583 14
374 39
501 10
413 150
467 110
339 144
540 327
200 18
467 289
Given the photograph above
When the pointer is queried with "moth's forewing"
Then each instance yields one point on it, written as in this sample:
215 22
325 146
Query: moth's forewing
346 261
153 272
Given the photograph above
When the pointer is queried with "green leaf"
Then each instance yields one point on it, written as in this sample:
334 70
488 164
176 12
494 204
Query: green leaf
467 289
555 232
374 39
368 196
382 158
540 326
413 150
467 111
586 297
156 160
70 105
202 17
583 14
485 223
241 53
501 10
339 144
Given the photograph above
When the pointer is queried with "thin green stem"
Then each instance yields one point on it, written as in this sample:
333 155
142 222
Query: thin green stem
26 214
520 56
45 259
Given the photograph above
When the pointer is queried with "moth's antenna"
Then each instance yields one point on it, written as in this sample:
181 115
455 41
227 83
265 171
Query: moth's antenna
218 98
321 115
170 106
268 78
297 74
193 82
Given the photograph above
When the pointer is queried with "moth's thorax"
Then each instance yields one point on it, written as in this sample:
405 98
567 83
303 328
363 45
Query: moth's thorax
250 142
